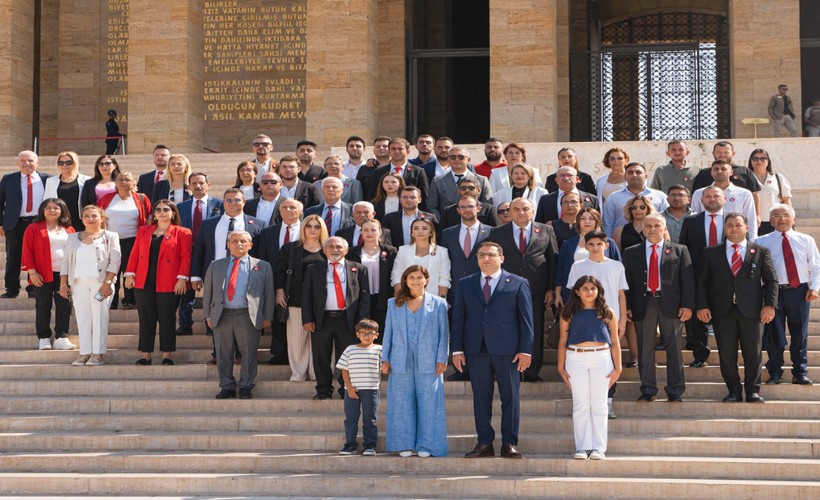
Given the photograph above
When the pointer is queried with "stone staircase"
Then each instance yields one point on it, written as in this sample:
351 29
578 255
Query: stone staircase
121 429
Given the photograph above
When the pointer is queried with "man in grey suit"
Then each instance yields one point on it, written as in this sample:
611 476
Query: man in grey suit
238 300
444 189
336 213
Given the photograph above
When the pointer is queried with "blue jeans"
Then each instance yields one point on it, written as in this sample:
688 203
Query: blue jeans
368 406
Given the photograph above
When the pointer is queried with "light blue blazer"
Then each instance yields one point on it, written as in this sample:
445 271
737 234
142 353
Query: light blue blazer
433 333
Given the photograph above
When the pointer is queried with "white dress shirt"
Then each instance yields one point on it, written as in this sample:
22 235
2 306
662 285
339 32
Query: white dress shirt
707 223
730 251
331 303
351 170
462 234
806 256
517 232
264 210
738 200
288 193
37 192
221 234
659 254
204 207
294 233
262 168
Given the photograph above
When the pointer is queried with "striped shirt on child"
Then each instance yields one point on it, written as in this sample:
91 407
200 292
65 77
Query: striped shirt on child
363 364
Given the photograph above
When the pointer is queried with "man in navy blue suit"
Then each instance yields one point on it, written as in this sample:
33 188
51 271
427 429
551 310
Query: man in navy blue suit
192 212
492 332
21 194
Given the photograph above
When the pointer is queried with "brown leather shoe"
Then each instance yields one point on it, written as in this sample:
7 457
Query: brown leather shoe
510 451
481 451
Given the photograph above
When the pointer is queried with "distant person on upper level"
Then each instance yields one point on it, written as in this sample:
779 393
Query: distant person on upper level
112 133
424 147
368 170
741 176
568 158
262 148
352 189
812 117
308 170
781 112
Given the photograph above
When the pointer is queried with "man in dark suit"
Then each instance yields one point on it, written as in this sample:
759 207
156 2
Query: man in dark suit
737 293
424 148
308 171
492 333
363 211
334 297
697 232
266 207
268 247
660 297
412 175
486 214
368 170
399 222
292 187
336 213
146 181
530 251
548 206
444 189
21 194
192 213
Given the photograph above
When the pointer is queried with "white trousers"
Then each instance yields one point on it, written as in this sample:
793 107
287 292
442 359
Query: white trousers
588 375
91 314
300 353
786 122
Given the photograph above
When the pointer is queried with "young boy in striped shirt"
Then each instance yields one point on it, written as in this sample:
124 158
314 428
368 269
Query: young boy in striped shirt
360 365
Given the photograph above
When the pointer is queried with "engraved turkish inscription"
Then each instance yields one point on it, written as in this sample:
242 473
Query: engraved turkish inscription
114 89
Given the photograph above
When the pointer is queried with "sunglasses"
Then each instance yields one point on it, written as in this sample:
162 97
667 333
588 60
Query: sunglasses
270 181
62 163
260 144
163 209
457 157
503 210
106 163
760 158
637 207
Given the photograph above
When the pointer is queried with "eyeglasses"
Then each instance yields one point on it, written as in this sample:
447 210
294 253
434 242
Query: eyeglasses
270 181
637 207
466 188
163 209
569 202
468 207
62 163
503 210
105 163
233 200
260 144
484 255
677 195
760 158
457 157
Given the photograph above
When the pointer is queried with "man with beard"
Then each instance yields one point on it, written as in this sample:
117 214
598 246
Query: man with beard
294 188
146 181
494 154
263 148
308 171
355 152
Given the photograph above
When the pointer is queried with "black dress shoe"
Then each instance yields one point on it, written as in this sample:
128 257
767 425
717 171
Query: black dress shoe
167 361
185 330
733 398
278 361
647 398
481 451
143 362
458 377
699 363
320 397
9 295
674 398
802 380
245 393
775 380
660 346
128 306
226 394
755 398
510 451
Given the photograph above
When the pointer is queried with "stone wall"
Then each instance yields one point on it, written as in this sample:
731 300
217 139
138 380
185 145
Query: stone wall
16 74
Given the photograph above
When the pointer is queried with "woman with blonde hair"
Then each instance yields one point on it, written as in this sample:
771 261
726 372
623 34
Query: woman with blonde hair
175 187
423 251
68 186
523 185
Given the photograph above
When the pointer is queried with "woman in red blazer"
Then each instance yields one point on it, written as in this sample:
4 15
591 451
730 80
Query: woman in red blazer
159 268
43 247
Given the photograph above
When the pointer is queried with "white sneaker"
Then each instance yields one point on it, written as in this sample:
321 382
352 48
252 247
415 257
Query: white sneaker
369 452
597 455
95 360
64 344
45 344
406 453
424 454
580 455
82 360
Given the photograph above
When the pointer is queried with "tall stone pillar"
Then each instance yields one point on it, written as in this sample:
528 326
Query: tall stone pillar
16 75
523 70
764 45
165 74
342 66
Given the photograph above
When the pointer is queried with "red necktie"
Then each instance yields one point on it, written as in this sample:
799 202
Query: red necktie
29 195
791 265
197 219
522 242
329 218
486 290
654 275
737 260
159 177
337 283
468 243
361 238
232 279
712 231
287 235
398 170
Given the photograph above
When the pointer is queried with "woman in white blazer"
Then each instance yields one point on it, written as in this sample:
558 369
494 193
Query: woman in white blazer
92 260
423 251
68 186
523 183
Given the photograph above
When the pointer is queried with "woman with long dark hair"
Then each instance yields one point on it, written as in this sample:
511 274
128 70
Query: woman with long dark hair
106 170
246 173
378 258
776 188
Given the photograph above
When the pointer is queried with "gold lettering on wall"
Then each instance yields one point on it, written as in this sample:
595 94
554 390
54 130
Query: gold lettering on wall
114 70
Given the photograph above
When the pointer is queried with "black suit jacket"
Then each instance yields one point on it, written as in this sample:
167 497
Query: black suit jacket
11 198
676 276
145 183
585 183
548 205
693 237
367 179
314 294
308 194
741 177
386 260
204 246
413 176
348 232
314 173
267 244
393 223
537 264
251 206
487 214
755 286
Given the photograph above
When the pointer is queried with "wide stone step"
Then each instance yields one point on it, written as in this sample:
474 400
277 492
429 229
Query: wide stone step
398 486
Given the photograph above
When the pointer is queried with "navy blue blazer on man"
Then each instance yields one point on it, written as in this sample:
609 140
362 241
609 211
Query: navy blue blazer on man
11 198
461 266
215 208
204 249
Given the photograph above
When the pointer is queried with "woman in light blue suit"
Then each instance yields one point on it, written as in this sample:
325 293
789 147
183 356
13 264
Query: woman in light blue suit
414 352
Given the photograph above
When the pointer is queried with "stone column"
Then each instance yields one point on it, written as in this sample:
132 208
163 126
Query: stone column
342 67
523 70
764 43
16 75
165 74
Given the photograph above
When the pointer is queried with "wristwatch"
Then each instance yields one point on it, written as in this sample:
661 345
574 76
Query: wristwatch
109 282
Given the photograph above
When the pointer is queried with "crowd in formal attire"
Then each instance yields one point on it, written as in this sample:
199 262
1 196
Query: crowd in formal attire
397 265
